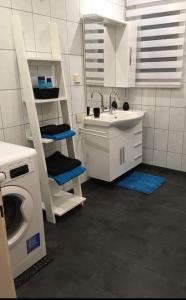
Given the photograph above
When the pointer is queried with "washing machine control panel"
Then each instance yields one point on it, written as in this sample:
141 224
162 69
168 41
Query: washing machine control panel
17 169
14 173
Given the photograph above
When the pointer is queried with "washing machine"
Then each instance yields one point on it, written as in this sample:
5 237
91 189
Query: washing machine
20 185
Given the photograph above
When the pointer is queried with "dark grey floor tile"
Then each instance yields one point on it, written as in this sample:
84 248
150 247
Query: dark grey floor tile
120 244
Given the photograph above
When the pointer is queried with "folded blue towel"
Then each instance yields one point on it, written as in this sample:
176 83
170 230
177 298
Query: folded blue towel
67 176
142 182
59 136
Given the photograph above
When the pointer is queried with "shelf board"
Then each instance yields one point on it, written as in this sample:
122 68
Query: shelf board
63 202
44 141
42 59
104 20
40 101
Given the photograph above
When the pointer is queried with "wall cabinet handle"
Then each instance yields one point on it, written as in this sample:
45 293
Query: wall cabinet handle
120 156
123 155
130 59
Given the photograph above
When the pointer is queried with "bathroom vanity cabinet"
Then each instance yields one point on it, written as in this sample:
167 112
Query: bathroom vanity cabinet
111 152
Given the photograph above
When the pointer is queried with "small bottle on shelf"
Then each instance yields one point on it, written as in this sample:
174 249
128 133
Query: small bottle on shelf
49 83
41 82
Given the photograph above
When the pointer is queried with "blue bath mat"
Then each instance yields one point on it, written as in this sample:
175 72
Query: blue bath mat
142 182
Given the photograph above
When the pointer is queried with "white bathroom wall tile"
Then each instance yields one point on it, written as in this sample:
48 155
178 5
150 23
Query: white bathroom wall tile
6 36
28 29
73 10
123 94
8 70
177 119
1 135
135 95
85 7
174 161
58 9
178 97
148 156
148 96
161 139
97 7
41 7
148 138
1 120
75 41
184 142
41 27
119 2
50 111
45 71
184 163
78 105
107 8
175 143
11 108
22 5
118 12
15 135
149 117
163 97
160 158
135 107
5 3
63 36
162 118
76 67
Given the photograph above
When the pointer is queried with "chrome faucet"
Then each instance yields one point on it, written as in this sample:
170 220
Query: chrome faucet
102 100
113 94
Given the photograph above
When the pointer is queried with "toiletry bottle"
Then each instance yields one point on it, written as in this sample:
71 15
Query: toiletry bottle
41 82
126 106
49 83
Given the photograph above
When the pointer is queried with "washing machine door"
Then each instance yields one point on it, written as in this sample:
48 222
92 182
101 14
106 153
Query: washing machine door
18 208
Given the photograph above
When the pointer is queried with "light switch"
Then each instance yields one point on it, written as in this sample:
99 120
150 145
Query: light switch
79 118
77 78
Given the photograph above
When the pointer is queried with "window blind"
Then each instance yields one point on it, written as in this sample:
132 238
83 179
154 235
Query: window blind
161 38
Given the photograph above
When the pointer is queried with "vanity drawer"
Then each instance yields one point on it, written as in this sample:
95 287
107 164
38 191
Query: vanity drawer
138 150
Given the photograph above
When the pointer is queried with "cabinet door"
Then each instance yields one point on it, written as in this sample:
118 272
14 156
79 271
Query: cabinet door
116 158
125 151
126 41
97 155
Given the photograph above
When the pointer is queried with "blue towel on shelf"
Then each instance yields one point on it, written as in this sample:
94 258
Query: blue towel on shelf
142 182
59 136
67 176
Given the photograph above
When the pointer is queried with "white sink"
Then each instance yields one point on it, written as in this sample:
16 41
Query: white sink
120 119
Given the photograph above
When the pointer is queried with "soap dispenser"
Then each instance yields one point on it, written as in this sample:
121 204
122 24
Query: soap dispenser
126 106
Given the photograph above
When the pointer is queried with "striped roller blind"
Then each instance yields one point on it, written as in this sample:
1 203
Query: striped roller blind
161 37
94 52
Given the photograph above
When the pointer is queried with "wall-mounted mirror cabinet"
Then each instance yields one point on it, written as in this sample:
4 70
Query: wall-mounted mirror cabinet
110 51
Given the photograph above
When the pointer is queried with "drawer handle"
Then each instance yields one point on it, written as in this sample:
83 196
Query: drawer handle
138 132
138 145
123 155
120 156
138 156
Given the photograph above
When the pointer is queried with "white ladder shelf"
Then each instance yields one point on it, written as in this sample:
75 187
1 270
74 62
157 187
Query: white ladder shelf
55 200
